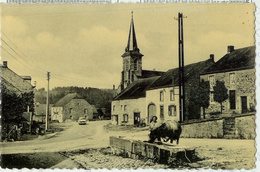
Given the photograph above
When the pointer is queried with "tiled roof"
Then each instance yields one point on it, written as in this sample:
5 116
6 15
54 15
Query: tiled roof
243 58
66 99
150 73
137 89
191 71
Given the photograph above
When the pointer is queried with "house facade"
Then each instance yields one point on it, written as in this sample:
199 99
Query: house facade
237 70
163 103
72 106
144 94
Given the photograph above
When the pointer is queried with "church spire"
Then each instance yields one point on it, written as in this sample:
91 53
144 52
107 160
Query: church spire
132 43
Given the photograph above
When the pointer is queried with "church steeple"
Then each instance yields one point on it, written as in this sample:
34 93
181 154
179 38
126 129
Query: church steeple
132 59
132 43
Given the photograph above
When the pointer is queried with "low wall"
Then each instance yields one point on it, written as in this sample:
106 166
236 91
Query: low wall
143 150
205 129
245 127
238 127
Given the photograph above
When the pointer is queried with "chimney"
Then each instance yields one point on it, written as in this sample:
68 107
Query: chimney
5 64
211 56
230 48
27 78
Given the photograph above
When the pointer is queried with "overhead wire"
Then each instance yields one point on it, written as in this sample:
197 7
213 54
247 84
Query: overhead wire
36 66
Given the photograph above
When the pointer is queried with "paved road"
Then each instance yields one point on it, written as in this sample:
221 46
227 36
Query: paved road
74 137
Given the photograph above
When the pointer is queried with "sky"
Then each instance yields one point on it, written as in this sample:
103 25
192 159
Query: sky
81 44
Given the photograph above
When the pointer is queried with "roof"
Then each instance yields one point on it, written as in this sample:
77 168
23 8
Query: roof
191 71
66 99
132 48
243 58
40 109
150 73
137 89
13 81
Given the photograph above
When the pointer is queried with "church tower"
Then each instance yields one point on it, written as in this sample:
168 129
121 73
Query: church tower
132 59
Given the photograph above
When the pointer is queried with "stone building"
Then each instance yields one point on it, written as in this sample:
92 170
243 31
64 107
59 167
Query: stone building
162 97
14 82
237 70
144 93
72 106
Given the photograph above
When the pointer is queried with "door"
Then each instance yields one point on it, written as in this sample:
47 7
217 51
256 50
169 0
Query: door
244 104
232 99
115 119
136 118
151 112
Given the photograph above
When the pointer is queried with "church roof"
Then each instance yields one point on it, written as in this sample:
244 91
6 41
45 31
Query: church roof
132 48
243 58
66 99
191 71
137 89
150 73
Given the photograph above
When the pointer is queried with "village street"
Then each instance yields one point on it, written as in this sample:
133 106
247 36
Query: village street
217 152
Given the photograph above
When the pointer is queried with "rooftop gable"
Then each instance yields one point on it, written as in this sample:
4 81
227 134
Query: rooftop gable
137 89
243 58
191 71
66 99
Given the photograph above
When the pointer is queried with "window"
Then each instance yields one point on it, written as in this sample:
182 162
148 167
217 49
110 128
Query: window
161 111
211 96
135 64
232 78
125 118
85 111
70 110
211 81
161 96
114 108
124 107
172 98
172 110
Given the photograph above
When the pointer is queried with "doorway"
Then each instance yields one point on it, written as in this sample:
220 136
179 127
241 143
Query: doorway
151 112
244 104
136 118
232 99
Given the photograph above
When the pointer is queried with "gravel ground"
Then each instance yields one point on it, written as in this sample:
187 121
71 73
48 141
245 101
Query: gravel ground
102 158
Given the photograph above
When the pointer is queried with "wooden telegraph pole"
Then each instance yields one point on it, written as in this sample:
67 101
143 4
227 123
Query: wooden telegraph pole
47 103
181 68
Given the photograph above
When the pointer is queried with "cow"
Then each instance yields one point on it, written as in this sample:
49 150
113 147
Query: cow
168 130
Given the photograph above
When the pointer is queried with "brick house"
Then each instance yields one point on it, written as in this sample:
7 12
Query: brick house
237 70
72 106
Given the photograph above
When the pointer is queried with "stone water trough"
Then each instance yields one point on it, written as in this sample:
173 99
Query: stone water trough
163 153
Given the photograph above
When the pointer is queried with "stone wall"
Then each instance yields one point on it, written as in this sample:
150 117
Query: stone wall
245 127
244 85
206 129
239 127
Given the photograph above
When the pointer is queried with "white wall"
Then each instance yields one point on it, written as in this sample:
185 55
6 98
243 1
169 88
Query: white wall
132 106
153 97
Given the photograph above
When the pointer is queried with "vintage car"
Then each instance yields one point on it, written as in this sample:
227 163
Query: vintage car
82 121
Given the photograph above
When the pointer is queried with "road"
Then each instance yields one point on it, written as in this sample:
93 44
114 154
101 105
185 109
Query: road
218 153
74 137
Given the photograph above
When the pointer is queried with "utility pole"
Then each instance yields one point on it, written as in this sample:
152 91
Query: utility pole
181 68
47 103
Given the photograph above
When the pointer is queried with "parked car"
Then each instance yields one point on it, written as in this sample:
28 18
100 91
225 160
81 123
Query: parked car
82 121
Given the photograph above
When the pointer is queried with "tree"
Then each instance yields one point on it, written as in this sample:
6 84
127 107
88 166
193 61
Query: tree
220 93
203 95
